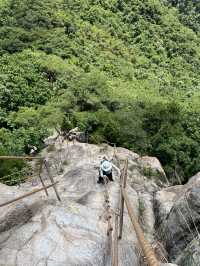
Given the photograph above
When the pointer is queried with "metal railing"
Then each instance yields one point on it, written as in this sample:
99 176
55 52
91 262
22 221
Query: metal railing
145 246
27 195
42 163
114 233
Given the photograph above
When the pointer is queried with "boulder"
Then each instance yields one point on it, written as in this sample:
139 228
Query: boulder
182 223
54 235
151 167
123 154
191 255
193 181
51 140
164 201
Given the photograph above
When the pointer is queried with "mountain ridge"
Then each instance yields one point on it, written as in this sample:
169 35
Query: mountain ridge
125 71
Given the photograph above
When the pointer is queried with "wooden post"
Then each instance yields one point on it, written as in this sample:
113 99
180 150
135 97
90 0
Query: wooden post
125 174
115 243
123 180
40 176
121 209
51 179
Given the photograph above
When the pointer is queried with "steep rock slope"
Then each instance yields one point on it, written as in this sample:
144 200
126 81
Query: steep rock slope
39 230
179 221
42 231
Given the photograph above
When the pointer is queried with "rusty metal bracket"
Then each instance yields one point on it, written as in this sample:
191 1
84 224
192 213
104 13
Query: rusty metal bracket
123 179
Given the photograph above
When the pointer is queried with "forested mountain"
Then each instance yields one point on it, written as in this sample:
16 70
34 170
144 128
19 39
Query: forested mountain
126 71
189 12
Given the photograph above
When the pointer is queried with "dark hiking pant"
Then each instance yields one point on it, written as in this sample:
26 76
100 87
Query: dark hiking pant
109 176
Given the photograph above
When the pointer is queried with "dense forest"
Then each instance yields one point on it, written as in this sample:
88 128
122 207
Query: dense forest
127 71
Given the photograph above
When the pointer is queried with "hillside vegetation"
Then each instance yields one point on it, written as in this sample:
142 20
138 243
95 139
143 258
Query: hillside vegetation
126 71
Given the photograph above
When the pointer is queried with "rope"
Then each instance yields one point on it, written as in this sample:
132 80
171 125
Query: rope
147 249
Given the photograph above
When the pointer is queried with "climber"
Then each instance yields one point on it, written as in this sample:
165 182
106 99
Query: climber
32 150
105 169
73 134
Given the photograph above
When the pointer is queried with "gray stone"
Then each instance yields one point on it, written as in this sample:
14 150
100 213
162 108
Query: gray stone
151 167
182 223
191 255
42 231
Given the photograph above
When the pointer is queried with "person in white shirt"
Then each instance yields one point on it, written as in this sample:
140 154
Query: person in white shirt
33 150
106 169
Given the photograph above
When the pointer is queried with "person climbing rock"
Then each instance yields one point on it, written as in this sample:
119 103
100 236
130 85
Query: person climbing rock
73 133
105 169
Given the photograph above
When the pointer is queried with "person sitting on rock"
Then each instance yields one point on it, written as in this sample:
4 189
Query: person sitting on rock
105 169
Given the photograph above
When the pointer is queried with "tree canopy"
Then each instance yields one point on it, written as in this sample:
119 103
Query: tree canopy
126 71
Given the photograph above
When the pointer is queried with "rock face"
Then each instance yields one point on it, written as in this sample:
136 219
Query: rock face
54 235
164 201
152 167
191 255
179 217
39 230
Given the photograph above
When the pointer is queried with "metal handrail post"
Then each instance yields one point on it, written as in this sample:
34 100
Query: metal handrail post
52 180
40 176
123 180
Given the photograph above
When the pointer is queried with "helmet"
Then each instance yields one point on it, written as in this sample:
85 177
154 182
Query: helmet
106 166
